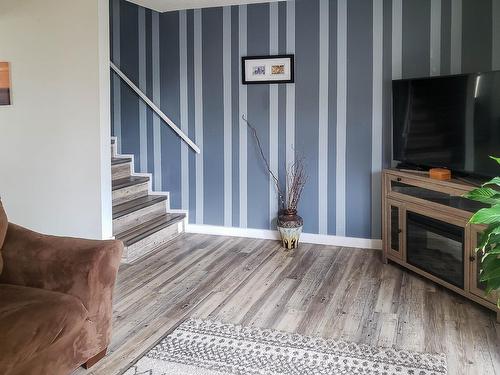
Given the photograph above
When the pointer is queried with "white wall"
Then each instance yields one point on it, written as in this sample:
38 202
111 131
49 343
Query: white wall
169 5
55 175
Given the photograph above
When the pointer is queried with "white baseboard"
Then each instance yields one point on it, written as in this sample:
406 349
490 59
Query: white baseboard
319 239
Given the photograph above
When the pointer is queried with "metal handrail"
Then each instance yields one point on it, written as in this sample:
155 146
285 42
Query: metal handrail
153 106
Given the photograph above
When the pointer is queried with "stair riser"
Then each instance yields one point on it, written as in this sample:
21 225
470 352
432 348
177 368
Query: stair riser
138 217
152 242
132 192
120 171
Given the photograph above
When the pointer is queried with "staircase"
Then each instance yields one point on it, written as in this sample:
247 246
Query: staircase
141 218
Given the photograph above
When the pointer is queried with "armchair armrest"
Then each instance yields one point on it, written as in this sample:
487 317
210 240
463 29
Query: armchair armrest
82 268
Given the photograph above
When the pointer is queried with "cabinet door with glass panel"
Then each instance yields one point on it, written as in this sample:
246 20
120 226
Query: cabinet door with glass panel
476 287
395 229
435 244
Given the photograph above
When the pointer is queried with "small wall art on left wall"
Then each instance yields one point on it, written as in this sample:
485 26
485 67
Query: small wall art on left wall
4 83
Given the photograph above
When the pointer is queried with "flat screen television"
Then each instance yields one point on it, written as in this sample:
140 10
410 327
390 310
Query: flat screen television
449 121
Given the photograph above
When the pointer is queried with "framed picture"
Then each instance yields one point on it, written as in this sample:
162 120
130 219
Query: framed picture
4 83
267 69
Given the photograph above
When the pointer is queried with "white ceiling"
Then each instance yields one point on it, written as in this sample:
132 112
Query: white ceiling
168 5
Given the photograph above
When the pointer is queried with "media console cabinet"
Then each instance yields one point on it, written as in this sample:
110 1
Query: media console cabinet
426 229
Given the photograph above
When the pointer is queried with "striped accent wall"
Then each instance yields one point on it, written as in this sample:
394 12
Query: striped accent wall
337 114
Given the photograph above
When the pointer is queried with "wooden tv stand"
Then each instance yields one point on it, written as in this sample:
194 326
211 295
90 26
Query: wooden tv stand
425 228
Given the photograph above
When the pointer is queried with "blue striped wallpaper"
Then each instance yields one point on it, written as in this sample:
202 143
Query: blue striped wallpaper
337 114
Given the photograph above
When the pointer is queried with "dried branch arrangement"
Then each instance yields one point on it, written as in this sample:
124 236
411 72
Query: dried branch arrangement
296 176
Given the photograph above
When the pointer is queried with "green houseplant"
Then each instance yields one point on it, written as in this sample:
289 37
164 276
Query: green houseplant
489 246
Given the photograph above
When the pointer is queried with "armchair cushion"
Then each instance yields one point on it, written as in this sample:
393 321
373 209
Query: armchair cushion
3 231
85 269
33 320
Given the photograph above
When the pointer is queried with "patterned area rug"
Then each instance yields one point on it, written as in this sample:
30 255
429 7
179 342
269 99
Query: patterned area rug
201 347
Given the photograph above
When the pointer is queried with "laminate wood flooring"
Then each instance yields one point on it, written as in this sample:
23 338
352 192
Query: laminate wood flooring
326 291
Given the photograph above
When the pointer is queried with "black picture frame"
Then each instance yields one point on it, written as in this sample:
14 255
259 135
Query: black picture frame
246 81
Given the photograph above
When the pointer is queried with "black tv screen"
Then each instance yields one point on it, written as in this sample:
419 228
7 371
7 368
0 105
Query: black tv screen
451 122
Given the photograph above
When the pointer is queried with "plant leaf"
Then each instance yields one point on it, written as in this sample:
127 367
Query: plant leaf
485 195
493 181
495 250
496 159
494 239
489 263
489 245
492 230
492 285
487 215
492 271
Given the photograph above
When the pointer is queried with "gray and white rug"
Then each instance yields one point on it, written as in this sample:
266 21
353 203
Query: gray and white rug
201 347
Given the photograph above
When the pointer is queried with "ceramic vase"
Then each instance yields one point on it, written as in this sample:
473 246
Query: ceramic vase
290 227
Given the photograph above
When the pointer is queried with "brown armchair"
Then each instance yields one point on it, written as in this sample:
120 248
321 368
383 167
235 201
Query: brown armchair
55 301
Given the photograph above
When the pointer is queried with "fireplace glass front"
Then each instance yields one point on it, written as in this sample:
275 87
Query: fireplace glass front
436 247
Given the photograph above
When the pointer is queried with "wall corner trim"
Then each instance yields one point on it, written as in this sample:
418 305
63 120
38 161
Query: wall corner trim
319 239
